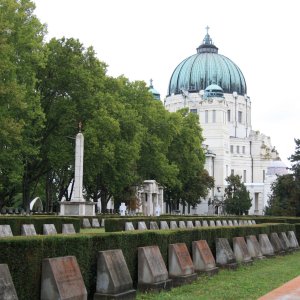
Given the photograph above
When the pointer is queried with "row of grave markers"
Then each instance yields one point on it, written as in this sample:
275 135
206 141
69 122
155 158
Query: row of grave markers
95 223
62 279
188 224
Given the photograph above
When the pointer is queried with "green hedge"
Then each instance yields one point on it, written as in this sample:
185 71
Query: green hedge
24 254
38 221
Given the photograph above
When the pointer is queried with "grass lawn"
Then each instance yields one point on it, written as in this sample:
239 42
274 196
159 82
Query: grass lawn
92 230
247 282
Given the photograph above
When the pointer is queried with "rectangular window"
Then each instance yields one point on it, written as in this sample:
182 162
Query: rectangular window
244 149
193 110
228 115
245 176
206 116
240 117
231 148
214 116
237 149
232 171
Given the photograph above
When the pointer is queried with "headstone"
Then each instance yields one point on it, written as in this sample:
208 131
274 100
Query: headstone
164 225
103 223
276 243
254 247
152 271
293 240
113 277
181 267
122 209
28 229
142 226
265 245
68 229
204 223
7 288
153 225
224 254
95 223
240 250
203 260
173 225
86 223
249 222
49 229
241 222
62 279
218 223
5 231
224 223
235 223
197 223
128 226
253 222
189 224
182 224
212 223
285 242
230 223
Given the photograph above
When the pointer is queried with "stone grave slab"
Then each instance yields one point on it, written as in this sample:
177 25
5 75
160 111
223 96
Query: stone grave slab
189 224
7 288
154 225
241 222
197 223
230 223
182 224
253 222
249 222
181 267
293 240
164 225
173 225
218 223
235 223
285 242
113 277
204 261
28 229
224 255
95 223
86 223
152 272
103 223
254 247
62 279
68 229
212 223
49 229
142 226
276 243
224 223
265 245
129 226
240 250
5 231
204 223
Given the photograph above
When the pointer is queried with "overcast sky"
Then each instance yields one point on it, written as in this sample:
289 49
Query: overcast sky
145 39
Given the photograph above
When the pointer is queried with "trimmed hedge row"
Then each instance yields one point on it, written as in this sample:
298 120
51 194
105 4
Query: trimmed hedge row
24 254
38 221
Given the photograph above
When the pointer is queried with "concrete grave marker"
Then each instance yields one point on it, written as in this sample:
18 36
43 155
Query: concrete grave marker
153 225
28 229
142 226
182 224
62 279
218 223
197 223
164 225
7 288
204 223
129 226
224 254
285 241
113 277
253 222
103 223
212 223
203 260
241 222
235 223
49 229
254 247
189 224
265 245
224 223
276 243
173 225
230 223
293 240
86 223
95 223
5 231
152 271
240 250
68 229
181 267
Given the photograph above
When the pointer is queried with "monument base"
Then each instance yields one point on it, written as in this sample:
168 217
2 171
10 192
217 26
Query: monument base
208 272
156 286
185 279
128 295
74 208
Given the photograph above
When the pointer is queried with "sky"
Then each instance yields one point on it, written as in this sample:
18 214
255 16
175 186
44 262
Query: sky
145 40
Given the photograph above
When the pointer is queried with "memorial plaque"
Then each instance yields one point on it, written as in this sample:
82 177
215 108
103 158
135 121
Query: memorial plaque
224 254
153 225
5 231
189 224
197 223
212 223
240 250
95 223
218 223
204 223
7 288
86 223
49 229
203 260
182 224
152 271
235 223
128 226
62 279
265 245
224 223
293 240
164 225
68 229
276 243
142 226
254 247
230 223
113 277
173 225
285 241
28 229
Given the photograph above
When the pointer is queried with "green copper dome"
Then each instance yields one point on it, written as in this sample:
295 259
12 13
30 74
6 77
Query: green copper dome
207 67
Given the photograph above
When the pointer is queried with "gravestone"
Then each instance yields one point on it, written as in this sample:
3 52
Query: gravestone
204 223
265 245
5 231
113 277
173 225
7 288
230 223
129 226
254 247
249 222
181 267
203 260
86 223
189 224
28 229
240 250
241 222
182 224
224 254
197 223
142 226
49 229
152 272
95 223
218 223
224 223
276 243
164 225
293 240
62 279
285 242
68 229
212 223
153 225
253 222
235 223
103 223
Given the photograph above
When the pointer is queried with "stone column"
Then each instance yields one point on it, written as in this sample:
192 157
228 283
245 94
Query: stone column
150 205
